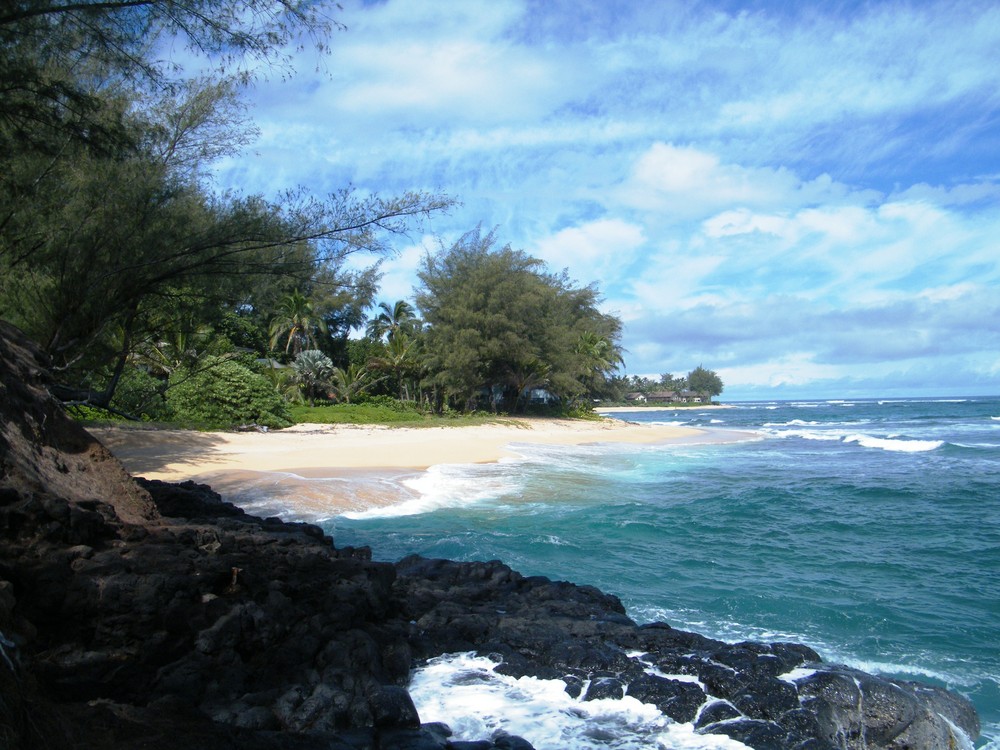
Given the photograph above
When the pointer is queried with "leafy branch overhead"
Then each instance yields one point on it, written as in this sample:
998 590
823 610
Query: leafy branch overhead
152 291
107 212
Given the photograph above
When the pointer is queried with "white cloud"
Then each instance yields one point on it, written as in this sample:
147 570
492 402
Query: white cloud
685 181
424 82
595 250
788 369
669 281
789 193
688 182
399 274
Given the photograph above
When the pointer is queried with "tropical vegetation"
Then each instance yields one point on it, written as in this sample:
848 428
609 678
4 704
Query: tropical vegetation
697 387
157 296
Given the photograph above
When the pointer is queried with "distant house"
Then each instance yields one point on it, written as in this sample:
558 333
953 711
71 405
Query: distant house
674 397
637 397
272 364
540 397
663 397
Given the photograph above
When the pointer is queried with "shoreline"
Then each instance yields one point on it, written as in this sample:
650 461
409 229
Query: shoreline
175 454
631 409
366 462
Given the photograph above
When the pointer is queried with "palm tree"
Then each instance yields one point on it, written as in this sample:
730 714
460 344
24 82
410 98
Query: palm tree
347 384
600 359
296 322
400 318
313 369
601 356
399 359
529 375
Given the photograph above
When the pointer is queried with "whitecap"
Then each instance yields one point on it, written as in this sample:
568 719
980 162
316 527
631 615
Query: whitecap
804 434
894 444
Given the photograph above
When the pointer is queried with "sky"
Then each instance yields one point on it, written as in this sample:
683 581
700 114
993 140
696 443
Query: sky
801 196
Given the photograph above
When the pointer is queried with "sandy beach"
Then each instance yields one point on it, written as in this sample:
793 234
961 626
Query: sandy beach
642 408
315 471
328 450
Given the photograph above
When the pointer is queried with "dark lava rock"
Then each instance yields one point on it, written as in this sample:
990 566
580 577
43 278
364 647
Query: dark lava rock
604 687
155 616
678 700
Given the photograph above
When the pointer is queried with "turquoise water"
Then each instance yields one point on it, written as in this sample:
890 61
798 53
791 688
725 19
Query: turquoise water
869 530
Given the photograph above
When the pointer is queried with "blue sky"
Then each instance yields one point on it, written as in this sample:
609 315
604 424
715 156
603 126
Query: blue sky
804 197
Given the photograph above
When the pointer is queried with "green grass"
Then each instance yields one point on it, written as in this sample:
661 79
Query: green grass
397 415
383 411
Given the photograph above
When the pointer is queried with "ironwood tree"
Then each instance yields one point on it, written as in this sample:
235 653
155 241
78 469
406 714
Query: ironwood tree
499 324
110 230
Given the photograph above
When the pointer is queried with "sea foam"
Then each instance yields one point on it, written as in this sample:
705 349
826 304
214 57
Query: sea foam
448 486
465 692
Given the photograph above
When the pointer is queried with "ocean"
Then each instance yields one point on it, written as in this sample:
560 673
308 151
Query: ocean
866 529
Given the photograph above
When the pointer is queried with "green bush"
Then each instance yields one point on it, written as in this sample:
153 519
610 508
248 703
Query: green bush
140 395
225 393
389 402
88 414
364 413
385 410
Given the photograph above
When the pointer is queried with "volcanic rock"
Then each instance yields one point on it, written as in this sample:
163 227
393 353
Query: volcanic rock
140 614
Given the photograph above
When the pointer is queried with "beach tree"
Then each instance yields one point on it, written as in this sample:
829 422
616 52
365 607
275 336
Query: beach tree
533 374
705 382
347 383
399 318
600 361
297 324
313 371
55 54
344 295
400 361
670 382
224 394
107 213
494 314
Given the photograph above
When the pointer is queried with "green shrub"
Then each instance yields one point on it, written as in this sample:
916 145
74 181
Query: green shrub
88 414
580 411
363 413
140 395
225 393
385 410
389 402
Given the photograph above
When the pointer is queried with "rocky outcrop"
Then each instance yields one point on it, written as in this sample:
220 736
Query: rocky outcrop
777 695
146 615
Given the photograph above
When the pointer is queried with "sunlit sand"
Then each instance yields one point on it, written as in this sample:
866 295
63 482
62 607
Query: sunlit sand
366 460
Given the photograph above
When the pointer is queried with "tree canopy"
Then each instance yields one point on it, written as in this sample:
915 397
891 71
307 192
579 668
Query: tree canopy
120 256
704 381
498 325
110 229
